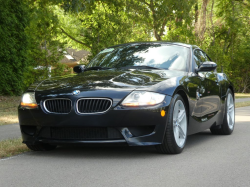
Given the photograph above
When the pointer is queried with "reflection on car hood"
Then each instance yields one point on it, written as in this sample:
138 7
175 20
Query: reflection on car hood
108 79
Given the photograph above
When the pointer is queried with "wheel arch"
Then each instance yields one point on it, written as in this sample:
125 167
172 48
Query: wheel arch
232 89
184 95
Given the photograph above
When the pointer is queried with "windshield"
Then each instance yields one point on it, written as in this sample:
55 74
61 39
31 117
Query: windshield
161 56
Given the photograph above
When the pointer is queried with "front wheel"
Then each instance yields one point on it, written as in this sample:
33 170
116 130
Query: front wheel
176 130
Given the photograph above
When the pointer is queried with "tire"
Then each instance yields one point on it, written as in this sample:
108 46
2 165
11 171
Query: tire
228 124
41 147
176 128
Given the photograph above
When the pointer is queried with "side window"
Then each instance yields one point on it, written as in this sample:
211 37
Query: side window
204 56
198 58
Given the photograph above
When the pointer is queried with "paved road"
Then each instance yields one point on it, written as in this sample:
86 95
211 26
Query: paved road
208 160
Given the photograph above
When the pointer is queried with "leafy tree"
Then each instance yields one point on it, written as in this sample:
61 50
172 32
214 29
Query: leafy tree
13 45
228 40
159 15
100 26
45 50
33 32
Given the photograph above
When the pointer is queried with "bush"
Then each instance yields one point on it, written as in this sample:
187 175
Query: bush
13 46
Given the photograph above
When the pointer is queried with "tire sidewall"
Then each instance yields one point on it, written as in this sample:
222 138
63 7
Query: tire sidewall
225 122
170 123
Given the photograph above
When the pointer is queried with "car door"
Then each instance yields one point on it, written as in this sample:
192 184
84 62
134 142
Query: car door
195 87
209 90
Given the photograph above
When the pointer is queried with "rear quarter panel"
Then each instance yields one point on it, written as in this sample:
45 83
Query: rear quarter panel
225 84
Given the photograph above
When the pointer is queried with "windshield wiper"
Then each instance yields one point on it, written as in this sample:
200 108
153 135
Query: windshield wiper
97 68
140 67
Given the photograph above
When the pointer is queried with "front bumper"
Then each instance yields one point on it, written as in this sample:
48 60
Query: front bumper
137 126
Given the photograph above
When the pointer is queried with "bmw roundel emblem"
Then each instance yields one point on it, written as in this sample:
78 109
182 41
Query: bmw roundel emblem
76 92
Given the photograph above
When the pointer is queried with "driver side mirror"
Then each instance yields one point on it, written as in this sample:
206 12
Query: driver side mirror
207 66
79 68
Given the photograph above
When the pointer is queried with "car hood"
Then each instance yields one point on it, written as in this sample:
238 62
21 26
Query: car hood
106 79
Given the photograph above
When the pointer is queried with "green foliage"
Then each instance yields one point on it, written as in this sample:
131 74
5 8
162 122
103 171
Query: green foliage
157 15
228 41
13 45
103 24
35 34
45 50
28 39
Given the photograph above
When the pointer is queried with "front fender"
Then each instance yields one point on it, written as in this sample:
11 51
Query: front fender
169 86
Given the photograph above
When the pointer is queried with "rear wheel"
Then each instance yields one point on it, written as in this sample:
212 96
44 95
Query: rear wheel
229 117
176 130
41 147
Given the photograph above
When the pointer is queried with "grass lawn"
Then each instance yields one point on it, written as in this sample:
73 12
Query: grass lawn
242 104
8 109
12 147
242 95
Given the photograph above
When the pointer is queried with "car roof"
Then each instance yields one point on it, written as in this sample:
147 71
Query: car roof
158 42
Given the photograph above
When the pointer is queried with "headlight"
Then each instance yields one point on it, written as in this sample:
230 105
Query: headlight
143 98
28 100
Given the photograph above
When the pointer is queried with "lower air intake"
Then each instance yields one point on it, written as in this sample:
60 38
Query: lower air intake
85 133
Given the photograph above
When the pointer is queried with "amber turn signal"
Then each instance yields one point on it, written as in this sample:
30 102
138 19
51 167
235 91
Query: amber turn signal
29 105
163 113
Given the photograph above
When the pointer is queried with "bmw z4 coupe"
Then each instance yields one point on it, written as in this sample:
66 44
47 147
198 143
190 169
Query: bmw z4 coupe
138 94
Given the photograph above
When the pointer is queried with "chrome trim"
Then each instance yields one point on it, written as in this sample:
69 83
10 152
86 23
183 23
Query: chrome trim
57 99
93 98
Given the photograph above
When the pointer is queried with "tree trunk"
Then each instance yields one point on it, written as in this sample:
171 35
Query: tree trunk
196 13
212 24
157 36
203 18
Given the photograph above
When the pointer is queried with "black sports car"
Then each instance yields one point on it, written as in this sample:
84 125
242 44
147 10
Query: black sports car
138 94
